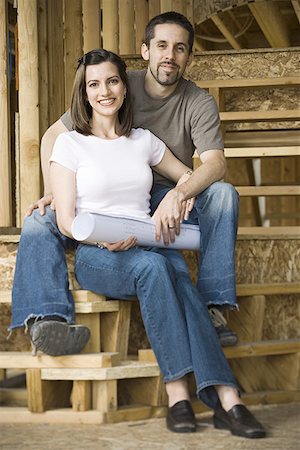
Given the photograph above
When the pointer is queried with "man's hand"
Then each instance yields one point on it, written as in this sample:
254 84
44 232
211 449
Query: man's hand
189 203
169 215
41 205
119 246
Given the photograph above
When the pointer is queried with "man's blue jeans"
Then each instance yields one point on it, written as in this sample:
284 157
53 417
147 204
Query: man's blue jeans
216 213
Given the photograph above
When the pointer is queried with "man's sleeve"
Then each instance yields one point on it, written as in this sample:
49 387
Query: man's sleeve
67 121
206 127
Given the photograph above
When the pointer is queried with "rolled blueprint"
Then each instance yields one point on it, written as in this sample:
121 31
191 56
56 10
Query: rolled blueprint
100 228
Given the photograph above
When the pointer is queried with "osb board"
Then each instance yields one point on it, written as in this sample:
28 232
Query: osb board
282 317
267 261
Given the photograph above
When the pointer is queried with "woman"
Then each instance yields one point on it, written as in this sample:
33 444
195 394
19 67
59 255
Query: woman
104 166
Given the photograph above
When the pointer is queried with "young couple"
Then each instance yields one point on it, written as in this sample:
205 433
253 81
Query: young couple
104 166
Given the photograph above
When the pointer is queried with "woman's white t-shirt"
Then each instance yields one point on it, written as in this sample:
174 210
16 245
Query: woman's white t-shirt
113 177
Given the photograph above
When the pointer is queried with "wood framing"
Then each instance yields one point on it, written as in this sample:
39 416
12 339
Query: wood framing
28 104
5 154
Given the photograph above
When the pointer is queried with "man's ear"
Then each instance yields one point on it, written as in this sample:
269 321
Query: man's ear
190 59
145 52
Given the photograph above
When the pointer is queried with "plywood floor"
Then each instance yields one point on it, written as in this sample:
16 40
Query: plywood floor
281 421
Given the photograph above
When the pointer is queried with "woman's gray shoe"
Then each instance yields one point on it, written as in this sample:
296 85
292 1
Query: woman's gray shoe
58 338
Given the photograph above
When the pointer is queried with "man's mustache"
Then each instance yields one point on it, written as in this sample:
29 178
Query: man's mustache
169 64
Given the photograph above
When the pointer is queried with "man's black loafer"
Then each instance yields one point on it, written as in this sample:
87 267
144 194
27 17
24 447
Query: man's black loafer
181 418
240 421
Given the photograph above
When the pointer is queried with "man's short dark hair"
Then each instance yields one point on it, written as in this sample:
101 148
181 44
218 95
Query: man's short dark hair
170 17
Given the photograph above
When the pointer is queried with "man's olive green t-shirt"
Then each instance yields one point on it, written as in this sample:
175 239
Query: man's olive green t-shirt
186 120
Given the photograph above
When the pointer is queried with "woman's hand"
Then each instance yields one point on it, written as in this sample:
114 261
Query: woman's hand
120 246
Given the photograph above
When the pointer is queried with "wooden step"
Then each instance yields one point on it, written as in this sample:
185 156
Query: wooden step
250 82
260 152
126 369
24 360
247 349
250 233
261 138
260 191
85 301
260 116
246 290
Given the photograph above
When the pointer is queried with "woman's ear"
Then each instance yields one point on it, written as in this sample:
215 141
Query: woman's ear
145 52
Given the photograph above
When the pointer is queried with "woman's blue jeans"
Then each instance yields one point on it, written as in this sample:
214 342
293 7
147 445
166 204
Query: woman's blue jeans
176 321
216 213
174 313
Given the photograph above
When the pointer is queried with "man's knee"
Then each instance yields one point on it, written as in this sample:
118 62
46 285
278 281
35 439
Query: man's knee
219 194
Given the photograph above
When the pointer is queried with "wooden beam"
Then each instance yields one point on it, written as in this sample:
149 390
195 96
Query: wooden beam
260 152
179 6
269 18
166 5
25 360
56 87
91 25
245 290
285 233
5 155
126 369
126 27
256 116
249 82
73 44
248 349
154 8
141 19
226 32
110 25
249 191
296 6
28 104
190 11
43 66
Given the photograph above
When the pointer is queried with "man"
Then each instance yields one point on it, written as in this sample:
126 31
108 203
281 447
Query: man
185 117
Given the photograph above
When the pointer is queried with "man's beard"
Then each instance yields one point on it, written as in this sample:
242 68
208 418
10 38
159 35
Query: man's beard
170 78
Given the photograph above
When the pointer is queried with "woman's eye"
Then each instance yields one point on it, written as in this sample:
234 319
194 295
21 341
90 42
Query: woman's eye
114 81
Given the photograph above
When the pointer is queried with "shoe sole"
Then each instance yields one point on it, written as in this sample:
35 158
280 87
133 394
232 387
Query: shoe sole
220 425
59 338
183 429
229 341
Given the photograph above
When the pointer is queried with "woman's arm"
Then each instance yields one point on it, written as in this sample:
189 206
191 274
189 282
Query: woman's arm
171 167
64 191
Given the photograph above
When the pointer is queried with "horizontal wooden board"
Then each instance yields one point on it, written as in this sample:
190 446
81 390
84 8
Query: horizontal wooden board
25 360
127 369
257 191
260 116
259 152
250 82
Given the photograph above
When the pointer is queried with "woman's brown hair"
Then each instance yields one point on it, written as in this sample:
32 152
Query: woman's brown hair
81 110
